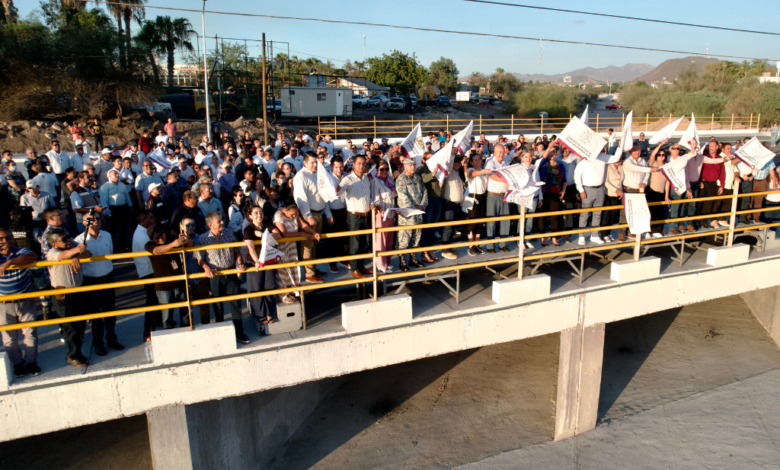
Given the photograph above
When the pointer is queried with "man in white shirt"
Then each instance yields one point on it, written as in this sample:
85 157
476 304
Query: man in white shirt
102 166
142 183
311 205
186 170
328 145
568 161
99 243
160 138
59 161
357 194
294 159
611 142
495 205
338 210
47 181
346 152
589 180
143 266
115 195
133 149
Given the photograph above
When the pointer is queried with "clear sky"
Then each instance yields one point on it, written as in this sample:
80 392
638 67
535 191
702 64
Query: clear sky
344 42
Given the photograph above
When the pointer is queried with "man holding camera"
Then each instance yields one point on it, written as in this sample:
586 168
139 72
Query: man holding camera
99 243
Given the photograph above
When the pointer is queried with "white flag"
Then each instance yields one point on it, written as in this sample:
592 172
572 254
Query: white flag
627 139
754 154
637 213
326 184
691 134
463 139
675 172
665 133
581 140
584 117
405 212
413 145
442 160
268 253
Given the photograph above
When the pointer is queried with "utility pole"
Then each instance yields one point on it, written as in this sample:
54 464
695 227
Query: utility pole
219 75
265 101
364 48
205 73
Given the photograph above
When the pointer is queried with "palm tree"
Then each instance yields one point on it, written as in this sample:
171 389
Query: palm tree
759 67
164 36
116 10
10 11
133 10
311 64
745 67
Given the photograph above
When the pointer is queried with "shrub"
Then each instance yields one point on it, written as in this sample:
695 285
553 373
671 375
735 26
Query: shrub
557 101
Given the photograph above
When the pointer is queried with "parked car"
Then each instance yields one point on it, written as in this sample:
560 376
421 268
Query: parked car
396 104
408 100
443 101
374 101
359 101
613 106
275 107
413 100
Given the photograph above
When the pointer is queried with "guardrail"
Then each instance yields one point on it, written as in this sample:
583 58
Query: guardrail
375 278
511 126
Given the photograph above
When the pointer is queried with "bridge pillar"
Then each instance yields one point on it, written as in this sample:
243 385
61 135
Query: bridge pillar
764 305
579 379
232 433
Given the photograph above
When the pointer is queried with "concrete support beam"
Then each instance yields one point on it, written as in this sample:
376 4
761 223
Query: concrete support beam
233 433
633 271
509 292
367 315
579 379
182 344
764 305
6 371
290 319
728 255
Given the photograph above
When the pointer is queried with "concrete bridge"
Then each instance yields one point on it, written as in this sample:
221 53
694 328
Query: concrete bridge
211 404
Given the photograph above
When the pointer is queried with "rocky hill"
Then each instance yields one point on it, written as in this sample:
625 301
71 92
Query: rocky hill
671 68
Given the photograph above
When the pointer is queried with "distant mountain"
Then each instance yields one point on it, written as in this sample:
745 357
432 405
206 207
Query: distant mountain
605 74
671 68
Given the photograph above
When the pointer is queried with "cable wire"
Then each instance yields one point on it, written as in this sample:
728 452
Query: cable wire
415 28
606 15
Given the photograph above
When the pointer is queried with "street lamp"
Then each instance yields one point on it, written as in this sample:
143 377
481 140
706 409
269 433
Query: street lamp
205 72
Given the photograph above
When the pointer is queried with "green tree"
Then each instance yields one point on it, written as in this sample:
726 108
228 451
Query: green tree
444 74
477 79
11 14
165 36
397 70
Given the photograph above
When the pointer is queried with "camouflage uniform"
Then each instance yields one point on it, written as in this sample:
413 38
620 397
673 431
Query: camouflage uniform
411 193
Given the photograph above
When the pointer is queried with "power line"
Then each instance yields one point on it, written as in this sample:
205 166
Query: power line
533 7
414 28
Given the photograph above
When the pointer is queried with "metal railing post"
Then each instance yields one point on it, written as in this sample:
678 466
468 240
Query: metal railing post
670 118
597 122
732 121
187 290
622 119
712 124
733 218
750 125
758 123
373 248
448 123
512 126
647 122
637 246
375 127
521 244
541 131
335 129
411 127
480 123
319 128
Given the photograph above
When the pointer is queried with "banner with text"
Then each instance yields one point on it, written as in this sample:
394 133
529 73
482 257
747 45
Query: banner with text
581 140
637 213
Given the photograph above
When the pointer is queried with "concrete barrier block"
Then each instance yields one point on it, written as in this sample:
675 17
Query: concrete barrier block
6 371
182 344
728 256
632 271
517 291
289 319
772 241
367 315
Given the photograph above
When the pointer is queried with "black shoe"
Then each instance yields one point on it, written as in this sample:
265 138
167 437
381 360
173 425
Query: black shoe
480 251
115 345
413 261
472 251
491 251
20 370
402 266
242 338
505 249
32 368
100 350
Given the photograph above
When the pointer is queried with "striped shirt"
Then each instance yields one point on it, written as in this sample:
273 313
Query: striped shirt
39 204
218 258
15 281
357 192
764 171
493 185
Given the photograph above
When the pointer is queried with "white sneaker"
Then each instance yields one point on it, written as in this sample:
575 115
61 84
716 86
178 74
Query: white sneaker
723 224
657 235
596 240
386 271
529 245
581 240
608 239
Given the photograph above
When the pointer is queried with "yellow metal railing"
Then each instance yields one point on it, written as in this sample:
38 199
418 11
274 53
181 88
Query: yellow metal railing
376 277
512 126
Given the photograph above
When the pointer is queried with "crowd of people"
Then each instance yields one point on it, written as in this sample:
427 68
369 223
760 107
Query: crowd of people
165 192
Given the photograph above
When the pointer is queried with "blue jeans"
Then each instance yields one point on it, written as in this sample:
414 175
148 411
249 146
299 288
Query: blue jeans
675 211
450 210
432 214
744 202
497 207
168 297
529 223
691 206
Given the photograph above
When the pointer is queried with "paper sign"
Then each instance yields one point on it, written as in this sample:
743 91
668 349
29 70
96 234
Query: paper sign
584 117
637 213
463 138
268 253
442 160
675 172
405 212
326 184
754 154
413 143
665 133
158 158
627 140
691 134
515 176
581 140
523 197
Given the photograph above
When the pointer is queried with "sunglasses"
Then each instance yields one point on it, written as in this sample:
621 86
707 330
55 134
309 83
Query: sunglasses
189 225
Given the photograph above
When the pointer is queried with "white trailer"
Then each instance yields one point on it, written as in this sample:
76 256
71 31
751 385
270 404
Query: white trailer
312 102
462 96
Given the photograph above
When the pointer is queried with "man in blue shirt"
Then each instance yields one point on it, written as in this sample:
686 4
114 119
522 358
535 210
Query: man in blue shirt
17 281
